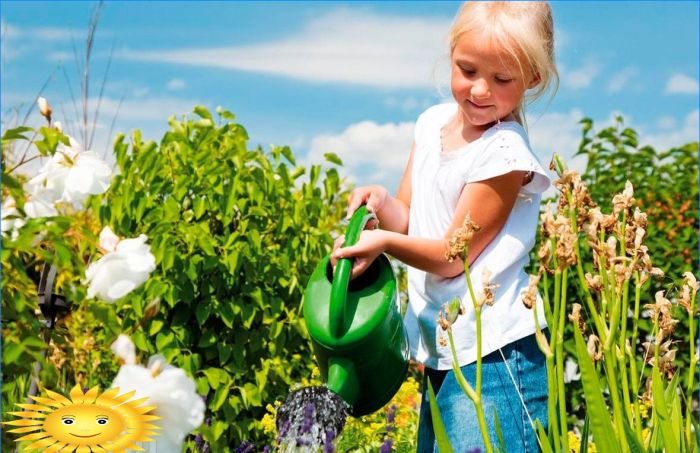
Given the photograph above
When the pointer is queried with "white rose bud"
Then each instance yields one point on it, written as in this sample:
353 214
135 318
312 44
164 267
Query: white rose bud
44 108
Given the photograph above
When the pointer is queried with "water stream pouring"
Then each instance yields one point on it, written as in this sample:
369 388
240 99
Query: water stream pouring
356 329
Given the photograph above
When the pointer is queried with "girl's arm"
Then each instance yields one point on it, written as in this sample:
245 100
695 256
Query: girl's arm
392 212
488 202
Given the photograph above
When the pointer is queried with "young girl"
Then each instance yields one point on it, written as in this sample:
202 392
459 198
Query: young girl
472 157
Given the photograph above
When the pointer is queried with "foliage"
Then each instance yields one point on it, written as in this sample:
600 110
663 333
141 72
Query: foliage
235 233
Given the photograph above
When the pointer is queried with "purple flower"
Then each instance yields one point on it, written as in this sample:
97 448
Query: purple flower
205 448
308 419
476 450
245 447
328 443
386 446
283 430
267 449
390 417
199 442
207 421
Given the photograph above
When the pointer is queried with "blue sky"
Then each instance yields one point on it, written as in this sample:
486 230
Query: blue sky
343 77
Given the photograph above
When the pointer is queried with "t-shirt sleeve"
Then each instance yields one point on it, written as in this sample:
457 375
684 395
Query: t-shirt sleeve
505 151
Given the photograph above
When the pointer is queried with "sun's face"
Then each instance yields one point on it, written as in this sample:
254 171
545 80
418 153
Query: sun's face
84 424
103 422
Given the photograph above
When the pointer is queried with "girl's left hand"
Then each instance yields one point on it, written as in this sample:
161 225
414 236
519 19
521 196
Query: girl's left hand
370 245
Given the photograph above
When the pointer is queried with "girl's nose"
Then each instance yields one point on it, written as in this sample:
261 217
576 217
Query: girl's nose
480 89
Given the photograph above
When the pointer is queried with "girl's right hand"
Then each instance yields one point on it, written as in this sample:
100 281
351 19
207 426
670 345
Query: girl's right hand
373 196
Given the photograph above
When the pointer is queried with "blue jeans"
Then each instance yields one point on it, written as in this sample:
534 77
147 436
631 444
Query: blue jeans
527 365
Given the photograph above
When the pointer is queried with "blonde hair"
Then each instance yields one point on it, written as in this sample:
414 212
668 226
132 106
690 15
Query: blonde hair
525 30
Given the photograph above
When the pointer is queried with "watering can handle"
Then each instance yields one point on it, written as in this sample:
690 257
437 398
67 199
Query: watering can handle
341 276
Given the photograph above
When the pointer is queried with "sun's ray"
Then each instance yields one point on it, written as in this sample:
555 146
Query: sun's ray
24 422
58 397
108 395
41 443
54 448
24 430
83 449
33 407
34 436
47 401
91 394
28 414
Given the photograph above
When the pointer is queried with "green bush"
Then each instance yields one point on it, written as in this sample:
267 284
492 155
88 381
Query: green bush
235 233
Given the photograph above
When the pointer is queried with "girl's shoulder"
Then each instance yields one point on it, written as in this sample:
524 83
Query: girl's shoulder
429 123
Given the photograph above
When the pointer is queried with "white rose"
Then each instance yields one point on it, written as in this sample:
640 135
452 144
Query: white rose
125 266
174 395
72 174
124 348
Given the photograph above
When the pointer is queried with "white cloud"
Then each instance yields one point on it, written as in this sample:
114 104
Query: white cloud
371 152
342 46
10 31
581 77
682 84
176 84
621 79
667 138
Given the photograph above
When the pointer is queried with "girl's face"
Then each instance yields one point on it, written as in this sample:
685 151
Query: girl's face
487 82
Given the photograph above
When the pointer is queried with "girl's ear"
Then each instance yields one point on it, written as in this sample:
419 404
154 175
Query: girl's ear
536 79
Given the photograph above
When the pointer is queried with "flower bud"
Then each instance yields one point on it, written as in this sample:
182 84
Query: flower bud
44 108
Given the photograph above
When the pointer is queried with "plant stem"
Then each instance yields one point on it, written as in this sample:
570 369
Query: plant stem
610 361
560 361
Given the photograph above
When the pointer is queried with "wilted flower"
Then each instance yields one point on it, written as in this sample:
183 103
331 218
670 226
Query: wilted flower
592 347
487 288
595 283
44 108
124 348
71 175
459 243
622 202
449 312
575 316
530 296
172 392
125 266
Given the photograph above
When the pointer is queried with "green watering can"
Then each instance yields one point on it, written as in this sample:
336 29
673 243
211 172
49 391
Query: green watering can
357 333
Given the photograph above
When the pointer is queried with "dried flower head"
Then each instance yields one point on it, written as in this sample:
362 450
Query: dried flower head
592 347
623 202
690 280
595 283
530 296
488 288
575 316
458 245
449 312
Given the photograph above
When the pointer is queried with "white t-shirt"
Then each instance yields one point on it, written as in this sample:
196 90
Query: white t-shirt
437 181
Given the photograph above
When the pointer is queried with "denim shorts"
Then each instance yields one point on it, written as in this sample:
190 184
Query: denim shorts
499 392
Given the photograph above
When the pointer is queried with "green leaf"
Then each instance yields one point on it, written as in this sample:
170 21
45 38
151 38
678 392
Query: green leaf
16 133
601 424
443 443
333 158
542 438
632 442
202 112
661 411
499 432
202 312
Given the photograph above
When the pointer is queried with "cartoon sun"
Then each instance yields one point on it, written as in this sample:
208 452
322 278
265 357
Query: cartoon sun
87 422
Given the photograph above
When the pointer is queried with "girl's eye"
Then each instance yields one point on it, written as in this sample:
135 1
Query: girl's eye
503 80
468 71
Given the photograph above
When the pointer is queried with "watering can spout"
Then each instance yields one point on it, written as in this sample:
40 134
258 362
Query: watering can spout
342 379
